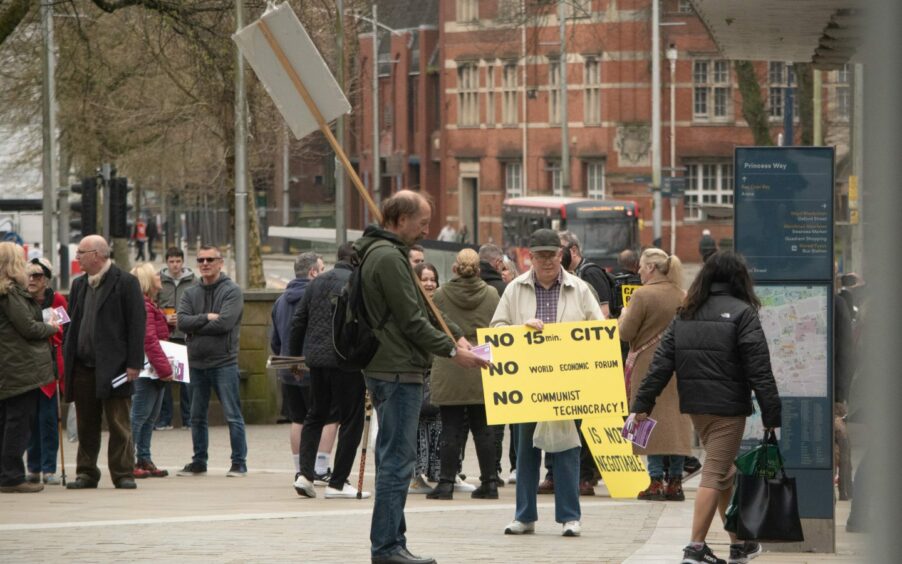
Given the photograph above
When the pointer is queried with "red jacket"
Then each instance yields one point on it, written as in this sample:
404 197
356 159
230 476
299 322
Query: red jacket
56 345
156 330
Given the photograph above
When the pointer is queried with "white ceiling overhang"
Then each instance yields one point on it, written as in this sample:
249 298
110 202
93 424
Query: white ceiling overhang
824 32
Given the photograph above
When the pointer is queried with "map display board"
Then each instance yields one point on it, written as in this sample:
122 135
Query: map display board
784 212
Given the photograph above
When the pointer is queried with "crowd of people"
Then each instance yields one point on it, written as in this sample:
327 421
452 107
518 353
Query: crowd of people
424 383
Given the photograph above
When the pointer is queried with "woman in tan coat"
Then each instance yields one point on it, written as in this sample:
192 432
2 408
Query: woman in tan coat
642 324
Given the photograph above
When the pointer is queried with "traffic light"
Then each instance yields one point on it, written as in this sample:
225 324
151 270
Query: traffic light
119 207
86 222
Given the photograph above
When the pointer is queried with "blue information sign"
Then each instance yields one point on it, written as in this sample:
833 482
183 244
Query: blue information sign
784 212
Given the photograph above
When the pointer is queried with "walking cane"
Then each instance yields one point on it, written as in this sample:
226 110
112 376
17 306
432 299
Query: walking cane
368 410
59 427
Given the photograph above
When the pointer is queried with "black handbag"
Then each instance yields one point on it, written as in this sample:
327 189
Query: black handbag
768 507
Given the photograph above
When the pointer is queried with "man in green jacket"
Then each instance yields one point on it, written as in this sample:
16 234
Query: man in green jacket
407 341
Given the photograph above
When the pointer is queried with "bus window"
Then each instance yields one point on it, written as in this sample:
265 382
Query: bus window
602 241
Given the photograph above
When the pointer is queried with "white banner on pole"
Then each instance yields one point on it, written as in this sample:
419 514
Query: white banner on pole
287 30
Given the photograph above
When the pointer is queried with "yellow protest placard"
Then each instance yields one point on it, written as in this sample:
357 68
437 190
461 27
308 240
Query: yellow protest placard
626 292
567 371
622 471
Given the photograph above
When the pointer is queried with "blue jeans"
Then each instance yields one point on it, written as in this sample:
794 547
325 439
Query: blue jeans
566 480
398 411
656 466
146 402
45 439
166 411
223 379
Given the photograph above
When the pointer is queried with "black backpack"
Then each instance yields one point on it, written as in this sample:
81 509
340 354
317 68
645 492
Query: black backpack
353 338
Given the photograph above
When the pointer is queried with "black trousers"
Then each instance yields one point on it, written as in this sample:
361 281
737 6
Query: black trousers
345 391
455 419
17 415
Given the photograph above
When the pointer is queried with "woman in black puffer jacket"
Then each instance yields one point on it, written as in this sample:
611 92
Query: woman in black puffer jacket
717 348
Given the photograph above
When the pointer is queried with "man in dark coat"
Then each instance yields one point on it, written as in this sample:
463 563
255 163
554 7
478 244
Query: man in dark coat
104 341
491 263
332 389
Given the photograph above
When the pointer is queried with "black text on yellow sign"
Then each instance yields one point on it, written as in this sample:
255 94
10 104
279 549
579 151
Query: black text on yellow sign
622 471
626 292
566 371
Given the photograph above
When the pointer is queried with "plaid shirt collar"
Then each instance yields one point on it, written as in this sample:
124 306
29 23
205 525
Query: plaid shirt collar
547 299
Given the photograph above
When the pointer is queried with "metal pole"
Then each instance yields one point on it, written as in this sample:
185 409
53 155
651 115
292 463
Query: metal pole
286 183
818 134
524 176
341 232
788 134
656 117
377 177
48 129
565 130
673 199
240 159
63 203
857 255
106 172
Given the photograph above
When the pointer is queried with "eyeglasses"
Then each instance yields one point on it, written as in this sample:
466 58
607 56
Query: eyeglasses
544 257
80 252
35 275
204 260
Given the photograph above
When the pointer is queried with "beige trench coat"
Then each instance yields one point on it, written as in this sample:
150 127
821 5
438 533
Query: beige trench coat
650 311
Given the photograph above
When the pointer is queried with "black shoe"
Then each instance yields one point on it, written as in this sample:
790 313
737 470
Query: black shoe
691 467
81 483
322 479
126 484
743 552
444 490
701 555
488 490
193 469
403 556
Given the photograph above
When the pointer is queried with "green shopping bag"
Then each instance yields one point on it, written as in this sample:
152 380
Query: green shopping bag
763 461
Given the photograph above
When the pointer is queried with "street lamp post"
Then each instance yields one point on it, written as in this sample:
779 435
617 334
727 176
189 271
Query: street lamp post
672 57
656 118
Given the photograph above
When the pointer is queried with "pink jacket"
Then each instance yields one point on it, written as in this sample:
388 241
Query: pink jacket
157 330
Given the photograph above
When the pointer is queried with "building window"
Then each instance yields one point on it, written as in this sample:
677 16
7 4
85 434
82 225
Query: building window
467 10
554 91
554 178
712 92
511 93
468 94
490 94
685 7
592 100
595 180
778 77
842 104
513 179
707 184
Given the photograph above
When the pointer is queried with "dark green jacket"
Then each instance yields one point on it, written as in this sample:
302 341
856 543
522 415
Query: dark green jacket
409 339
24 348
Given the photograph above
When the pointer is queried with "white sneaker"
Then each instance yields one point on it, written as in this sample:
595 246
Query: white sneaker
346 492
419 485
520 528
463 487
303 486
571 529
512 479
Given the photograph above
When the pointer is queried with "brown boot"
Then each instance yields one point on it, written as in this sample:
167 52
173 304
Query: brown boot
24 487
546 486
654 491
674 490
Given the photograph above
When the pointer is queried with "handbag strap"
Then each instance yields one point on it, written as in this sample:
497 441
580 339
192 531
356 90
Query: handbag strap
770 438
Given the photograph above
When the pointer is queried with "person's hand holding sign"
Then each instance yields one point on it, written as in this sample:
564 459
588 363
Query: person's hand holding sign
462 356
536 324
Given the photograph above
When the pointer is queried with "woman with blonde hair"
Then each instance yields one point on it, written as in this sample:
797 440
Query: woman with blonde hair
470 303
27 365
148 396
642 324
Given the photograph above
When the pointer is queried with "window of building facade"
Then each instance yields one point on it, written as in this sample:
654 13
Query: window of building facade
712 90
778 76
554 177
842 94
468 94
490 94
554 91
467 10
513 179
685 7
595 180
592 98
511 94
707 184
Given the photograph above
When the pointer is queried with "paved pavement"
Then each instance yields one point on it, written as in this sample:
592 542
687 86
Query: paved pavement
260 518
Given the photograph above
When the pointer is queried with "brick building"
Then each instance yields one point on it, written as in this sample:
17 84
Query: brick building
479 119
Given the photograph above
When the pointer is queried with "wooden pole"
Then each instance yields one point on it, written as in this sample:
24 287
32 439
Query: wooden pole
339 152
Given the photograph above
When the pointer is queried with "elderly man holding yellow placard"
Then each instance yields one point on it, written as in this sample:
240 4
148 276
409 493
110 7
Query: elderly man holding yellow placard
546 294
